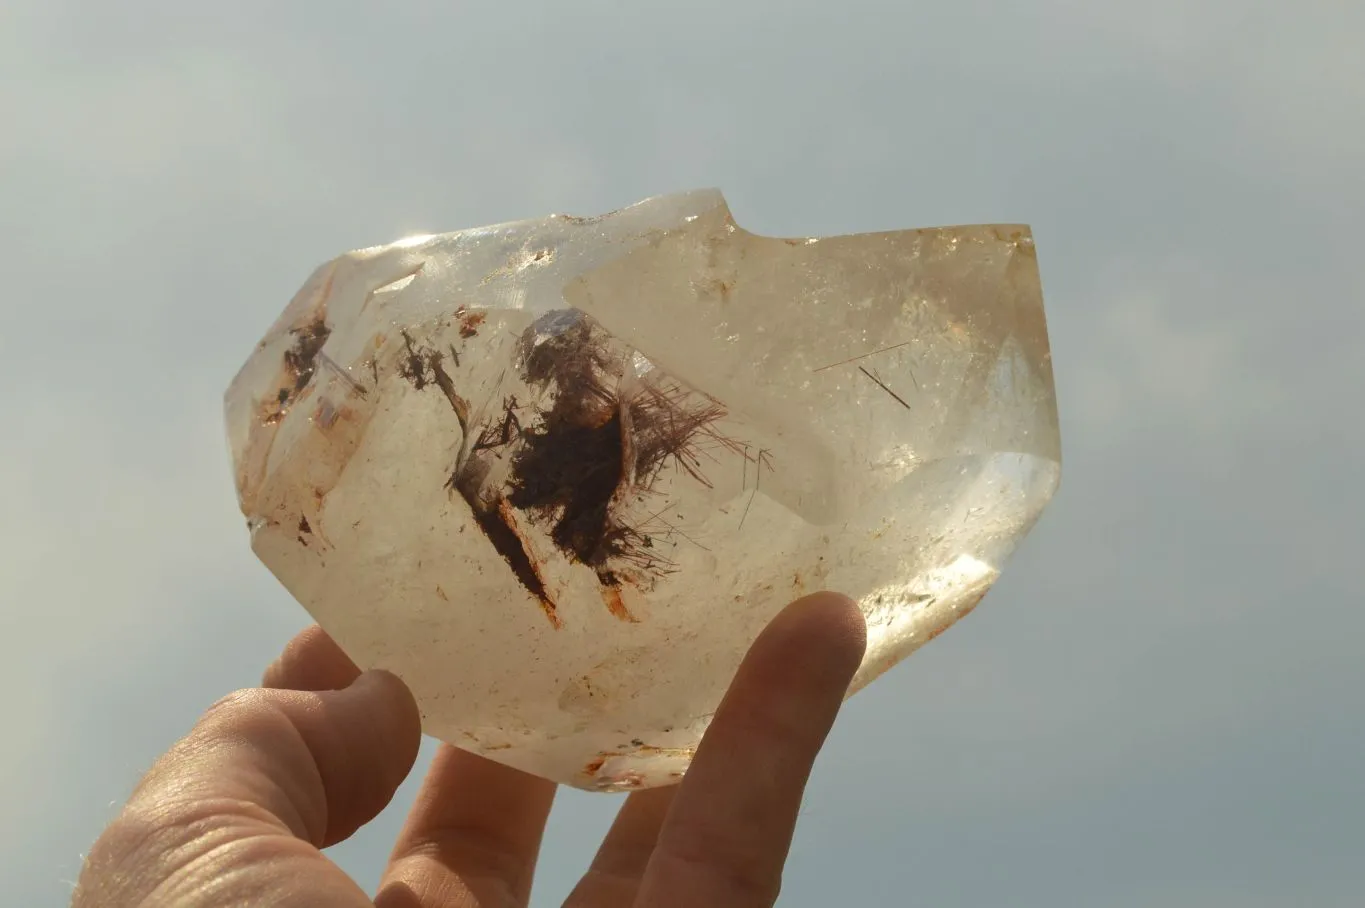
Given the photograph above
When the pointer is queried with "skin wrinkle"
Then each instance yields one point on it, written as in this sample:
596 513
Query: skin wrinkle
223 735
222 858
170 839
501 872
745 884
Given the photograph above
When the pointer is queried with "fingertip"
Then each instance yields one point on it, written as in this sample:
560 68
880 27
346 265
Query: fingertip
836 614
393 703
312 660
827 625
379 707
320 764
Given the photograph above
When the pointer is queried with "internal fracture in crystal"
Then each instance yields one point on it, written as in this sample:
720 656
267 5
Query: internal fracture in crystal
557 474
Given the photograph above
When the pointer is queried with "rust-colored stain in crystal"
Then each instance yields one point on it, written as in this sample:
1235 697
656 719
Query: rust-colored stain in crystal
631 779
300 360
442 379
594 766
499 524
611 595
470 322
685 753
502 523
423 367
298 367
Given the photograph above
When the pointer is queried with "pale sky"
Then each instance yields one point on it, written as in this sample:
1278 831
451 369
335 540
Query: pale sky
1159 704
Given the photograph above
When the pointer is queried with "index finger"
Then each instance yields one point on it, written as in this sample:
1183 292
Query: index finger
730 827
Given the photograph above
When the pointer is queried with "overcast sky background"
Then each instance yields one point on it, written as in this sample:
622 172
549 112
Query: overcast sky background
1160 704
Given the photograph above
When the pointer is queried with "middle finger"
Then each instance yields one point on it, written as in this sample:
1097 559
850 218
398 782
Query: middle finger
614 877
472 837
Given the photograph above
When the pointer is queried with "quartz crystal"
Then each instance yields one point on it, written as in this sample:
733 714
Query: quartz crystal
557 474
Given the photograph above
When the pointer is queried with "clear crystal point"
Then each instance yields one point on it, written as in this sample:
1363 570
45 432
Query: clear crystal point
557 474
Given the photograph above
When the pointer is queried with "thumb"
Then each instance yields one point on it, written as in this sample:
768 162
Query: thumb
321 763
263 765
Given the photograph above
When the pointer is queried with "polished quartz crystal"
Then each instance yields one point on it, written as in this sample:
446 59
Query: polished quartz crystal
557 474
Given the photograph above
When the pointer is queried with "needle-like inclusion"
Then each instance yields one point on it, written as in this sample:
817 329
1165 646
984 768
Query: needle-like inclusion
557 474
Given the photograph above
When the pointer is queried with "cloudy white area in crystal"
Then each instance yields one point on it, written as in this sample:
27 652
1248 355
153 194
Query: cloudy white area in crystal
557 474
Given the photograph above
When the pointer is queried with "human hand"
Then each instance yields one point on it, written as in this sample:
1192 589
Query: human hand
237 811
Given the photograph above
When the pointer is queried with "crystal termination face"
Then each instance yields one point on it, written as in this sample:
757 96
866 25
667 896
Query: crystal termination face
558 474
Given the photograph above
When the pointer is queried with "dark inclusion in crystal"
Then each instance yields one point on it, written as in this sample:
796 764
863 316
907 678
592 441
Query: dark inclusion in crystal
592 452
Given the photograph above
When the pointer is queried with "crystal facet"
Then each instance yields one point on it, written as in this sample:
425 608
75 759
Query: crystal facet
557 474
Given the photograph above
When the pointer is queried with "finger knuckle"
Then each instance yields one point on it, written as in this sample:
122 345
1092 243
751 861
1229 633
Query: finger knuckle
730 863
252 712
